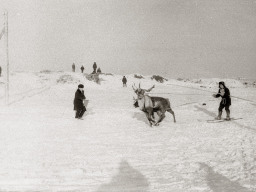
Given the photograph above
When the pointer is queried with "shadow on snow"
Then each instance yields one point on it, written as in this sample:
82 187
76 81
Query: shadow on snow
127 179
218 182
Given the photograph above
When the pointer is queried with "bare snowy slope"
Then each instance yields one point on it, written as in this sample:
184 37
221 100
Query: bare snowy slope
44 148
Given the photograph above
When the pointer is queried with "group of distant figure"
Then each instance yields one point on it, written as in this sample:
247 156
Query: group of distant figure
95 70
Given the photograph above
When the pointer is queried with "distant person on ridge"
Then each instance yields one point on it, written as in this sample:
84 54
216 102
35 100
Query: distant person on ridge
98 70
73 67
124 80
225 101
0 71
79 102
94 67
82 68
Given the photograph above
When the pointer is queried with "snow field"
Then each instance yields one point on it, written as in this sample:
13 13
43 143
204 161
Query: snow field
44 148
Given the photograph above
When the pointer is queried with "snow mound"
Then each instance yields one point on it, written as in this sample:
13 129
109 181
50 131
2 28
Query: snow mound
66 78
213 82
159 78
138 76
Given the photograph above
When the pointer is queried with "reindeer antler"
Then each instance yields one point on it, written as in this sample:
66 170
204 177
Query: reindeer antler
134 87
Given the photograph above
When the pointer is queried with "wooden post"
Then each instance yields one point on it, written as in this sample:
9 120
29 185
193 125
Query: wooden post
7 60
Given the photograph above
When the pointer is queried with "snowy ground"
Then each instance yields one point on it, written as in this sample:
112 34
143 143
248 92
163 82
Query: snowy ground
44 148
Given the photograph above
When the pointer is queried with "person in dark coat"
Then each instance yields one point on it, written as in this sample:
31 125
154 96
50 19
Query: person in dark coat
224 93
0 71
124 80
82 68
79 102
94 67
73 67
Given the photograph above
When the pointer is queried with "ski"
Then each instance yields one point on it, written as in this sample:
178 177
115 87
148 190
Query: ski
222 120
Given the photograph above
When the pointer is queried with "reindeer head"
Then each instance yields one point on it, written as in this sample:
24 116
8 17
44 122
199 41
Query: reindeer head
139 92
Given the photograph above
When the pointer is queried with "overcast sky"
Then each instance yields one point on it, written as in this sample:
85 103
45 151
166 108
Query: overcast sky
173 38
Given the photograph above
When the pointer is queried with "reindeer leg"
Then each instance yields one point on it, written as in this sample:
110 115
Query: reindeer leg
161 117
172 112
149 113
153 116
149 118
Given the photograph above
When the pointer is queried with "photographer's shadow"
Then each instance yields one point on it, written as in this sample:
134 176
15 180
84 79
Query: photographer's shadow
127 179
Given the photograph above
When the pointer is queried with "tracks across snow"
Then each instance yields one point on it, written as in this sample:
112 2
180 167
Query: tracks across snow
44 148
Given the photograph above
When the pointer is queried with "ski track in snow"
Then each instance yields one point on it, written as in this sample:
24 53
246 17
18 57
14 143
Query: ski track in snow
44 148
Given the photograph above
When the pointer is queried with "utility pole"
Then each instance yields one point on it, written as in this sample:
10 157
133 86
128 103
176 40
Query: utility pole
7 59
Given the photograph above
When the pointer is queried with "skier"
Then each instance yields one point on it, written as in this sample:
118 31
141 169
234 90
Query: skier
124 80
79 102
82 68
73 67
225 101
94 67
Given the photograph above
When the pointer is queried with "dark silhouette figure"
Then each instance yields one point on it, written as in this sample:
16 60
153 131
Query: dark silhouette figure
124 80
98 70
94 67
224 93
0 71
73 67
79 102
127 180
82 69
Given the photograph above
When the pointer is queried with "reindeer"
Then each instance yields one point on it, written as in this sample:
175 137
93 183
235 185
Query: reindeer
149 105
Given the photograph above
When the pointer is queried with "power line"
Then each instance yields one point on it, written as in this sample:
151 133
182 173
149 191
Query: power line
211 92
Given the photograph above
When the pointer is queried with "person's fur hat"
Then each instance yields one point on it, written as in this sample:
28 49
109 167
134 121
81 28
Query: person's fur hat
80 86
222 83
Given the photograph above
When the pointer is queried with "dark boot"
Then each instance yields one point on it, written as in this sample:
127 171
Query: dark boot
77 114
219 116
82 112
228 115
